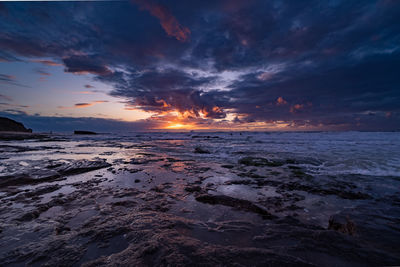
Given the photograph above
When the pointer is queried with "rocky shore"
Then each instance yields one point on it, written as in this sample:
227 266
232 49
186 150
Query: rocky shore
156 200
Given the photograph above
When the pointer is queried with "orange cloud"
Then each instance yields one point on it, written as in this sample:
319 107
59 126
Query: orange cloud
164 103
43 75
83 105
169 23
46 62
84 92
299 107
280 101
176 121
296 108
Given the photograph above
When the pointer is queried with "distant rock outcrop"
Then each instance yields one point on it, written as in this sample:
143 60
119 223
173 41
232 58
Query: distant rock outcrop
84 132
9 125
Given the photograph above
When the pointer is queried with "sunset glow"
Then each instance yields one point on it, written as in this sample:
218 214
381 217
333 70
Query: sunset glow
199 133
149 64
177 126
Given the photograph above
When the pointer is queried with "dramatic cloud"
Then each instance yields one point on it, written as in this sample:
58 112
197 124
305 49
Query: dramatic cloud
292 64
84 65
167 90
169 23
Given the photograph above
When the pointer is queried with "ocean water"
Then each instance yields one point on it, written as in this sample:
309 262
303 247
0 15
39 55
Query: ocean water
332 153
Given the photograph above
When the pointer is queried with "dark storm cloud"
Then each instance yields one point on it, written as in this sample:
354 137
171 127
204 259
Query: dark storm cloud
368 85
329 62
166 90
84 65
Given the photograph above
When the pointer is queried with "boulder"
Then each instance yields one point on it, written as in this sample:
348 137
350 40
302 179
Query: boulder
240 204
201 150
342 224
84 132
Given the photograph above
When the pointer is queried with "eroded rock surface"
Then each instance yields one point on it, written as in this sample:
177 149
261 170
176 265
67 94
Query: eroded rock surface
151 200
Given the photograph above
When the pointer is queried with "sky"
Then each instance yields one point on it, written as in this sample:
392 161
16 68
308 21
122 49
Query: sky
145 65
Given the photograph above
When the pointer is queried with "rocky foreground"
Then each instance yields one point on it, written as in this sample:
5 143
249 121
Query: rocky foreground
177 202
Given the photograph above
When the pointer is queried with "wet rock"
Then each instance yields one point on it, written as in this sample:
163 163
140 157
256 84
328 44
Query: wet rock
321 189
292 167
291 161
158 189
139 161
135 170
260 162
200 150
56 170
82 166
131 225
192 189
61 229
146 154
14 149
13 136
244 182
166 250
125 203
85 132
42 190
274 173
251 175
172 160
197 169
301 174
342 224
204 137
227 166
240 204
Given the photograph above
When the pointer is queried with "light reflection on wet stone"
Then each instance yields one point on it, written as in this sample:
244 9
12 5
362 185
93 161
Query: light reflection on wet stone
151 200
